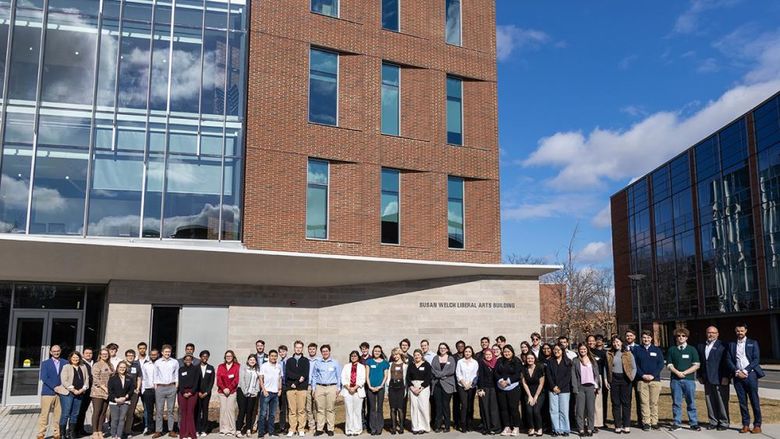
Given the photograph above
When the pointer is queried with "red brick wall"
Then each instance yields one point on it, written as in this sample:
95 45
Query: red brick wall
550 302
280 139
621 257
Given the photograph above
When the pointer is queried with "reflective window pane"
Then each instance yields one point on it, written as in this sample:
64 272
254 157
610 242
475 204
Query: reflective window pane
22 82
454 111
455 212
231 201
317 200
325 7
323 87
109 49
115 196
235 73
60 181
192 197
15 182
390 15
153 196
214 57
160 67
453 22
391 97
134 66
390 205
185 79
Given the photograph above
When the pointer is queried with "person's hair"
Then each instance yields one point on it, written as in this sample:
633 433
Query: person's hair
495 345
273 351
587 352
469 348
438 348
143 343
528 355
460 342
537 335
559 348
166 346
405 340
76 353
355 353
204 352
526 344
623 344
500 338
112 346
189 345
100 355
88 349
325 346
365 345
545 345
563 337
511 349
229 351
483 339
260 341
312 345
590 336
298 342
400 354
129 351
116 370
283 347
417 351
425 340
647 332
741 325
682 331
381 352
250 357
599 337
629 330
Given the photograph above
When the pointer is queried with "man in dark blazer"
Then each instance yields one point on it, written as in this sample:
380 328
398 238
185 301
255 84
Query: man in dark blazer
714 374
744 359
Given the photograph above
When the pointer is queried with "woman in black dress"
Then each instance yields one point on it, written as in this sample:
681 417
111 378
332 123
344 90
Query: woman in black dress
533 385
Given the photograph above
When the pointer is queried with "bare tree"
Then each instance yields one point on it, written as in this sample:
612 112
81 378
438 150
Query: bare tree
515 258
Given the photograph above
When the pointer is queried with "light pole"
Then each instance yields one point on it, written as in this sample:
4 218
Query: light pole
638 277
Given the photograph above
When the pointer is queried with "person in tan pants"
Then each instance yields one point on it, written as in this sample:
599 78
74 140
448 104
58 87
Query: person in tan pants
50 377
326 382
296 384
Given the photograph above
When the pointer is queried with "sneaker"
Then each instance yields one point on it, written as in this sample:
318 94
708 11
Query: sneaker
506 432
301 434
515 432
291 434
674 427
695 428
646 427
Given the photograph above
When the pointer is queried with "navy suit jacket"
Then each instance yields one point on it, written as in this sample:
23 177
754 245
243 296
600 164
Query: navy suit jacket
50 377
716 367
752 353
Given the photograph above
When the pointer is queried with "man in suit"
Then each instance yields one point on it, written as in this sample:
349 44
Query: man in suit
50 377
744 358
714 374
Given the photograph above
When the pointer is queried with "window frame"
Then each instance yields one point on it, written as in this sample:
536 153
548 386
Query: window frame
338 85
446 112
398 194
327 201
460 24
382 84
462 208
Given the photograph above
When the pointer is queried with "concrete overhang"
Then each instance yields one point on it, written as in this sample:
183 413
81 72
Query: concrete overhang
99 260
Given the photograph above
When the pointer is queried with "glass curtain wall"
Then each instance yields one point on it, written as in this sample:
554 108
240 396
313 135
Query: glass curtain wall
767 129
641 250
123 118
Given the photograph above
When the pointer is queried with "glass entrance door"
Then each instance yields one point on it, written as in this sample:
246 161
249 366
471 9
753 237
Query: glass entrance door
32 334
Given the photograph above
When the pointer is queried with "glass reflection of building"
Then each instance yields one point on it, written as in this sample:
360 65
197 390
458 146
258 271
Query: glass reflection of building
123 118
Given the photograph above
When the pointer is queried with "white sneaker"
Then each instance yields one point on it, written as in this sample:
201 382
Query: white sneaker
301 434
291 434
515 432
506 432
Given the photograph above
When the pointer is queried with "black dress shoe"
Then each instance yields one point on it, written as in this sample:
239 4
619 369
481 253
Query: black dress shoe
722 428
330 433
318 433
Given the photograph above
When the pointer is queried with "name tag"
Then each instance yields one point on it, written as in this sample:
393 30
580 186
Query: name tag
373 366
686 356
448 362
231 376
597 358
331 369
749 345
421 367
653 354
184 374
132 370
398 368
208 371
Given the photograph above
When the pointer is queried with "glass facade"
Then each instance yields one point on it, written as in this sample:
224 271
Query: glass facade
123 118
323 86
317 199
454 110
391 15
391 99
453 25
767 129
455 212
391 202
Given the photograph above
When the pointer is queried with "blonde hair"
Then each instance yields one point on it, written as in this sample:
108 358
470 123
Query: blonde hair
127 367
400 354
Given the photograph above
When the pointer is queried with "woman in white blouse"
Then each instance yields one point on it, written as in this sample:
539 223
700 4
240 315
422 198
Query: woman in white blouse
353 380
466 374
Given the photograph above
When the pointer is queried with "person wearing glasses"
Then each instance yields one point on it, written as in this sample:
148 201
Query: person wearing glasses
246 396
683 362
227 384
536 344
443 384
353 379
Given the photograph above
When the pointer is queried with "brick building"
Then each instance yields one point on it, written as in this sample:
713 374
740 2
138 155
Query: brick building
216 171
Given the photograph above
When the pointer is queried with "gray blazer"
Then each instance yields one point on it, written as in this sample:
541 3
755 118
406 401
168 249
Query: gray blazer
445 376
576 379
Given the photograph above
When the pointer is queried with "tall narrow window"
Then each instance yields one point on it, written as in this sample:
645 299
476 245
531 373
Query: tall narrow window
323 87
391 15
454 111
455 211
391 96
325 7
453 24
390 206
317 200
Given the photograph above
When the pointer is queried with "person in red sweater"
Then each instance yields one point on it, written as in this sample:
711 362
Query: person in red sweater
227 383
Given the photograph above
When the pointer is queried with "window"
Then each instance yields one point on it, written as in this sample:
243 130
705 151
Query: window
391 12
453 24
391 99
325 7
390 206
455 211
317 200
454 111
323 87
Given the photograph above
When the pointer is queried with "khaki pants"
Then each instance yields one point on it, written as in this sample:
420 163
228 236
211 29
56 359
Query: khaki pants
296 405
311 409
227 413
49 402
598 418
325 399
648 396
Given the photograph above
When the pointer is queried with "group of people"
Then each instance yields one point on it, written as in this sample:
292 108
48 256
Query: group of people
541 388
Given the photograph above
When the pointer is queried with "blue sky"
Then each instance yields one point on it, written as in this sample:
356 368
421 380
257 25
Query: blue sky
594 93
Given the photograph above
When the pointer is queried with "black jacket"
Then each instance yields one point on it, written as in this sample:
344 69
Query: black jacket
207 380
422 373
486 378
189 378
509 369
558 375
294 369
120 387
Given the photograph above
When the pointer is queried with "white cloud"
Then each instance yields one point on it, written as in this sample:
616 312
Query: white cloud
595 252
626 62
603 218
555 206
588 160
688 21
634 110
510 38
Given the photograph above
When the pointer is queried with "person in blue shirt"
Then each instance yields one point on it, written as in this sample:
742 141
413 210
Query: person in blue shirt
326 384
50 378
377 368
649 364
